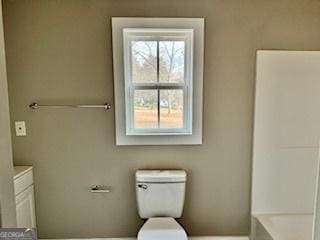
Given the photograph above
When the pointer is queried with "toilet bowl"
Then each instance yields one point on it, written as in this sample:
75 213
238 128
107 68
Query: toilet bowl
162 228
160 198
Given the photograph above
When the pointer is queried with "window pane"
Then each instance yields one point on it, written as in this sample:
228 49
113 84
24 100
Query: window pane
146 109
171 108
171 61
144 61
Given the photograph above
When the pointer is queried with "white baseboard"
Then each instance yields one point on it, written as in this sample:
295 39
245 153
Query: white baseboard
218 238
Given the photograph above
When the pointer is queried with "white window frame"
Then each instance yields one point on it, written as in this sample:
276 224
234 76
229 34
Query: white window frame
143 34
128 27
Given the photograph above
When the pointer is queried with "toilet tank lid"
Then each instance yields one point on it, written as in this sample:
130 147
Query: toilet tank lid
155 176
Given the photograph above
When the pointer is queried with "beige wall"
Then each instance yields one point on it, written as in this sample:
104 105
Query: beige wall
60 51
7 203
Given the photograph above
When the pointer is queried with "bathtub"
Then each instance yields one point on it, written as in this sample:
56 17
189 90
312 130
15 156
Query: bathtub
282 227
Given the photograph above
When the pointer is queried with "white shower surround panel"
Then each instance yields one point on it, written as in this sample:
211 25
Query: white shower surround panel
286 145
286 132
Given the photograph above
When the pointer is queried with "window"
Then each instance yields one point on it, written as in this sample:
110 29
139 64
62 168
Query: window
158 81
158 71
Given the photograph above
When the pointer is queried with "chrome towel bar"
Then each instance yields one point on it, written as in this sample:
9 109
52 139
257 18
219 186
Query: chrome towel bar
35 105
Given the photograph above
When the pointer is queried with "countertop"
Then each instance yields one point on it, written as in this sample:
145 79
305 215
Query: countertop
20 170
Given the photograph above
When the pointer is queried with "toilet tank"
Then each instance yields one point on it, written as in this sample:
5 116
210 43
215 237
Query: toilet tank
160 193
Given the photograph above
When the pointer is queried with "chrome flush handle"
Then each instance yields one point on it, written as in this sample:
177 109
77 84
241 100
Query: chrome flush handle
143 186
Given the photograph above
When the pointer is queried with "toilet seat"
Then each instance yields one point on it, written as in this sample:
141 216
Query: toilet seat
162 228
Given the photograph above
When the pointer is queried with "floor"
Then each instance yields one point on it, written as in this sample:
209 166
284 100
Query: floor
190 238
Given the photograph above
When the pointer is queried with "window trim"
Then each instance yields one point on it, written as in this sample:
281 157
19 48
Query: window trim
158 34
118 24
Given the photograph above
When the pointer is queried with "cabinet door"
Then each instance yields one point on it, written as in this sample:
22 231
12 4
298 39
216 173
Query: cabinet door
25 209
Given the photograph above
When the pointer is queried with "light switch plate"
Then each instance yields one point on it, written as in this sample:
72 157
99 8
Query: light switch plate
20 128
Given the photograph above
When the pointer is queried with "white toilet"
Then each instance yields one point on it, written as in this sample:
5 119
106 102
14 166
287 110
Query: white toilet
160 198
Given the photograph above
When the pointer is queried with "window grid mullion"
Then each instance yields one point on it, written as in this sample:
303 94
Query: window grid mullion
158 80
156 86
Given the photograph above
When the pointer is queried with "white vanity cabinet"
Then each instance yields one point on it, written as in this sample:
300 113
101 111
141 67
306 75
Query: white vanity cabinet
24 196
